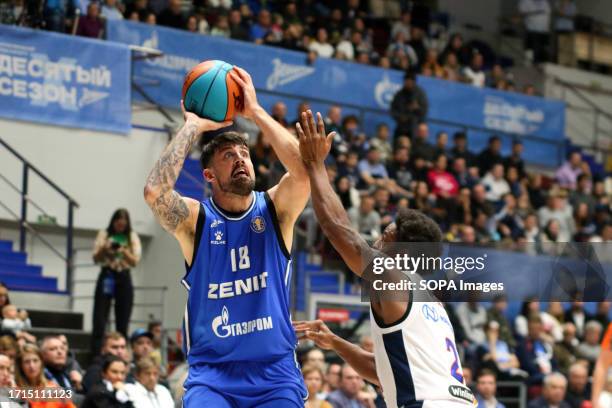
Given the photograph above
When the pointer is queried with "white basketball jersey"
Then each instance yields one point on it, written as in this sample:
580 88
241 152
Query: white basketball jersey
417 361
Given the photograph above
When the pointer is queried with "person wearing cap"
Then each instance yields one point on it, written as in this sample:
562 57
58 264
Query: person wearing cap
141 342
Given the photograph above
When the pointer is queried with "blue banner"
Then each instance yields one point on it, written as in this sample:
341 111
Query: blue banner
272 69
494 110
64 80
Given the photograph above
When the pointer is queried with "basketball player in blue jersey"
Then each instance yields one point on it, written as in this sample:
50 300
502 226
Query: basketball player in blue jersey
237 329
415 360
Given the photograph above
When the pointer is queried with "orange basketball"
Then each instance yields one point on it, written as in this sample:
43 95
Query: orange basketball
210 92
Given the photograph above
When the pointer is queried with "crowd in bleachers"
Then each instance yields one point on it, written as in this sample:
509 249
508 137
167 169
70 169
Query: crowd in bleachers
405 35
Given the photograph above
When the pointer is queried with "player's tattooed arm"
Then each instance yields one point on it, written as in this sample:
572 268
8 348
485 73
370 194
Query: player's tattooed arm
169 207
333 219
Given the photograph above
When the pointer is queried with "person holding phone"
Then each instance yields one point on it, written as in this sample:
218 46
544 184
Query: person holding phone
117 249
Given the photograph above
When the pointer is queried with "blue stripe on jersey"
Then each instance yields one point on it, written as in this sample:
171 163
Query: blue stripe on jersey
404 385
238 287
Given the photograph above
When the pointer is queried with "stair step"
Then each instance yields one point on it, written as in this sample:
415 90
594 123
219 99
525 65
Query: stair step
28 282
18 268
6 245
20 257
55 319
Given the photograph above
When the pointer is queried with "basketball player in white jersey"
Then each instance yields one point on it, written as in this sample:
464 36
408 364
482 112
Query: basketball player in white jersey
415 360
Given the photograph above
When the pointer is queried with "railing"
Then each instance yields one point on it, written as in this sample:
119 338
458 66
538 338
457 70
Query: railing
25 226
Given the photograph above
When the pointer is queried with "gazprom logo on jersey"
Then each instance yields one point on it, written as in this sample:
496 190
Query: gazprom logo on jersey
223 328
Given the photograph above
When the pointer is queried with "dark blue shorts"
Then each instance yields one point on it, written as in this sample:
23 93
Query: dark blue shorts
276 384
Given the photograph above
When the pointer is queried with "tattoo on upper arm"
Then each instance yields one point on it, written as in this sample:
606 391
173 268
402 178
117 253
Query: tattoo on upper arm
170 210
168 206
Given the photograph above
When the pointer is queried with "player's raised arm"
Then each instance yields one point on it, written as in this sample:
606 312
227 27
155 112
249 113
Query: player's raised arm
291 194
361 360
333 219
177 214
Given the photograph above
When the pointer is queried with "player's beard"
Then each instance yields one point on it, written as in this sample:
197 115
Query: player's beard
242 186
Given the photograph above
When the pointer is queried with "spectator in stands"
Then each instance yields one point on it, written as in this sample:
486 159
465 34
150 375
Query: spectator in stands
515 159
399 51
460 149
577 315
497 313
590 348
399 171
564 17
480 204
565 351
441 146
473 318
497 353
409 106
490 156
558 209
146 392
111 392
534 189
365 219
141 343
508 221
347 395
9 346
29 374
531 230
172 15
402 25
455 45
332 379
315 357
421 147
4 295
90 25
372 171
350 168
321 45
486 389
55 359
602 313
530 306
110 11
495 76
381 142
568 173
495 183
550 238
536 15
583 194
239 29
75 372
451 67
431 63
441 182
13 322
221 28
260 29
534 354
347 193
382 205
553 393
578 386
117 249
55 13
113 343
473 73
313 378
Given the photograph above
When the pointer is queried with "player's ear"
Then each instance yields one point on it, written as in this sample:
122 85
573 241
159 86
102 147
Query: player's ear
209 176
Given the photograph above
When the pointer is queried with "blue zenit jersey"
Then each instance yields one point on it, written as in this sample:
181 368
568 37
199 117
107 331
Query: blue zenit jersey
238 303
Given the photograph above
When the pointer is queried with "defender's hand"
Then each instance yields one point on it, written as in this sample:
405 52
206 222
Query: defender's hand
202 125
316 331
314 145
243 79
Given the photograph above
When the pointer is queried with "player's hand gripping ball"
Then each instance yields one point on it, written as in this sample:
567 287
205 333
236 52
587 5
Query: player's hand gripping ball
210 92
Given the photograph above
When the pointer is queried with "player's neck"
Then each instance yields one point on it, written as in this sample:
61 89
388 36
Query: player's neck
232 203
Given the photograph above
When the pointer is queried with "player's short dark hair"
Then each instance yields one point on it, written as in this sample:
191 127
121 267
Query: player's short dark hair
219 141
414 226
